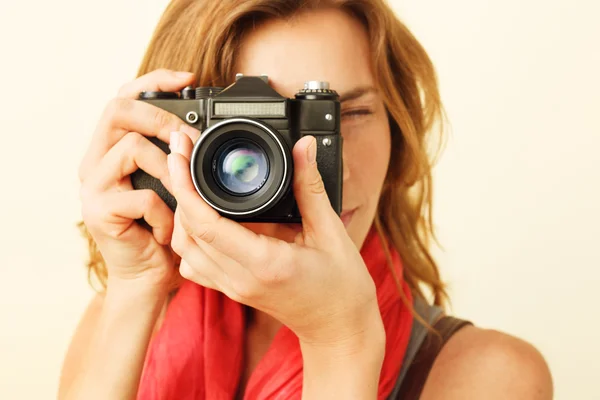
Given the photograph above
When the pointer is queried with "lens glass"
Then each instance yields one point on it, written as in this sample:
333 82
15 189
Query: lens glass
241 167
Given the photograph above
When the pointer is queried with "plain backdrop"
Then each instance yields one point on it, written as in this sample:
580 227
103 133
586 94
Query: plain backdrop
516 190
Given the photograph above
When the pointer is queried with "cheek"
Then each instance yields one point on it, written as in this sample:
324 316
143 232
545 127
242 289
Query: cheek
367 154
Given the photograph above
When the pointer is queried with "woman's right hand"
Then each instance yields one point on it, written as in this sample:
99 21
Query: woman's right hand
110 205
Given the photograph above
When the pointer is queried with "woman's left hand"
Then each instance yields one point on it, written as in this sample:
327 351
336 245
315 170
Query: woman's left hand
319 286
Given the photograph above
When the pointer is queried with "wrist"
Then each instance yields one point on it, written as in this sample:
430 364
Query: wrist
124 298
368 345
349 368
364 331
144 286
127 301
331 373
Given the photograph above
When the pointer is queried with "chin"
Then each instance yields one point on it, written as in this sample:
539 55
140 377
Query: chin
358 233
359 227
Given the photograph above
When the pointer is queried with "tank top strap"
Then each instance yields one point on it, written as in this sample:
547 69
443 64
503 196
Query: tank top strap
424 346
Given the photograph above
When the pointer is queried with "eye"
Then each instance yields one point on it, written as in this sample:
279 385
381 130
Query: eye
356 113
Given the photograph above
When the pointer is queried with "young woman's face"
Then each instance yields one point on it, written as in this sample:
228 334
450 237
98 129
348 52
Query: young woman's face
328 45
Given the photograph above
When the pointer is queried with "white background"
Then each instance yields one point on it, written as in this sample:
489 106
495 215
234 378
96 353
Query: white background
517 189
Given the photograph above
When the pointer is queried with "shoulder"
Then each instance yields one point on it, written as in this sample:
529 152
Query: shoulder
480 363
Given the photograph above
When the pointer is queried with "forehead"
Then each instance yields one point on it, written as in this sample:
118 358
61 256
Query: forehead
326 45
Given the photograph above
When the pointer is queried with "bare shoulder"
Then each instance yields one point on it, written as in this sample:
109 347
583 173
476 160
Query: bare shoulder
480 363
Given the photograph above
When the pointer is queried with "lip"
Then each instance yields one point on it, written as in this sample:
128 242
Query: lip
346 216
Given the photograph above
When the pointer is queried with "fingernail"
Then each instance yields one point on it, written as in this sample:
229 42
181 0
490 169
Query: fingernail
193 133
183 74
175 142
311 151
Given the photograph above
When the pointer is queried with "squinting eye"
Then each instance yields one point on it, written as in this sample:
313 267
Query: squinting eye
353 114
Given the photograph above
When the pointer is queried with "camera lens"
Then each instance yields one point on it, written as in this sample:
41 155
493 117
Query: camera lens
241 167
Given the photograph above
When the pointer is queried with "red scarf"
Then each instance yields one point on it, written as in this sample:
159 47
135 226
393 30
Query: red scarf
198 352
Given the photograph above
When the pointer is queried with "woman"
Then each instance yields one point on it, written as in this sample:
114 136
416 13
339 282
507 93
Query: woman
330 309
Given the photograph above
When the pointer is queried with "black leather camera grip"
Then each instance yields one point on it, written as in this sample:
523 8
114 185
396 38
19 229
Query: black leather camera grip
142 180
329 163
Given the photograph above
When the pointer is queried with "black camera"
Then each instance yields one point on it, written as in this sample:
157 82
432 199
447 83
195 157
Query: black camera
242 163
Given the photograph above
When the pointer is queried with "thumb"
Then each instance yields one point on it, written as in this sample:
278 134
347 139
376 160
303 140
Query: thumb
318 217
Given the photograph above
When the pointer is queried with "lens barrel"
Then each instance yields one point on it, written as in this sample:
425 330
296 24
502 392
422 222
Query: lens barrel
241 167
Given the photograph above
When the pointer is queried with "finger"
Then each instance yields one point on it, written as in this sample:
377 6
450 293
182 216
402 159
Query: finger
232 279
122 116
114 123
195 265
206 224
160 80
318 217
133 152
230 267
189 273
182 144
123 207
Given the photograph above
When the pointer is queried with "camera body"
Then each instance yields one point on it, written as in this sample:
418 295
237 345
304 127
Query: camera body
242 163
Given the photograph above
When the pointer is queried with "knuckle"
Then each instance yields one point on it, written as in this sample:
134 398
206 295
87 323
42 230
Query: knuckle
133 139
87 214
315 184
150 200
162 119
114 232
84 193
263 252
123 90
131 142
115 108
102 210
186 227
178 242
269 276
177 246
233 295
185 270
205 233
275 268
92 207
91 211
244 291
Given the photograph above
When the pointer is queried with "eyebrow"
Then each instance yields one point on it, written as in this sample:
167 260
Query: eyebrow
356 93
